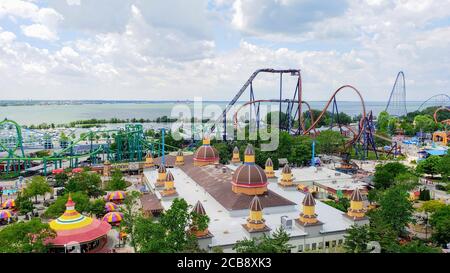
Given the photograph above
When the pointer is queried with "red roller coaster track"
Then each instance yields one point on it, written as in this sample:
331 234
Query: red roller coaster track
315 121
446 121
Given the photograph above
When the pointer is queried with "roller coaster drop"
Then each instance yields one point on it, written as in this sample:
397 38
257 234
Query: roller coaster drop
131 145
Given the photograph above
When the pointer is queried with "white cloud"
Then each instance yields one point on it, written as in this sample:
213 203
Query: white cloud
45 20
151 50
39 31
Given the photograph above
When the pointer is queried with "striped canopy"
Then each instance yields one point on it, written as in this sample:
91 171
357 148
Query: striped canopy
57 171
115 195
109 207
5 214
113 217
8 204
77 170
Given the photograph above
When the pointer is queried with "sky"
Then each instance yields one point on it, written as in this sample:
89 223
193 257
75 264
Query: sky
178 49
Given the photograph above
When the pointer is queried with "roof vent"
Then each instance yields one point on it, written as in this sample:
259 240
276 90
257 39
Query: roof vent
285 222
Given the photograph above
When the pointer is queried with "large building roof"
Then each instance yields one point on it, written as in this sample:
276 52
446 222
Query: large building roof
218 184
226 225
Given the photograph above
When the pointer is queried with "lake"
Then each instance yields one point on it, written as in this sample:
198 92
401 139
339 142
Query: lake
58 114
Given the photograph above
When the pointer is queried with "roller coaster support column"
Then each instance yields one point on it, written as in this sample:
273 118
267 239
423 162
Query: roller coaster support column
224 135
313 161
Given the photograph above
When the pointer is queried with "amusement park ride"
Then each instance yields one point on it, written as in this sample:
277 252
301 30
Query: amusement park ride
130 143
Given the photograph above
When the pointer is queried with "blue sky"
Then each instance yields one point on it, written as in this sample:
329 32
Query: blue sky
138 49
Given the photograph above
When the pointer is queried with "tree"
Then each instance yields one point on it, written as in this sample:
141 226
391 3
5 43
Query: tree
383 121
329 142
24 204
117 182
61 179
356 239
25 237
440 221
443 167
175 221
431 165
37 187
300 152
395 208
431 206
417 246
424 123
89 183
56 209
131 217
224 151
97 207
149 236
275 243
424 195
171 233
385 175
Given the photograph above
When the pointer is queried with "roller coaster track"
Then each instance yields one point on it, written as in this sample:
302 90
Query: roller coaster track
132 135
289 102
249 83
440 100
397 98
446 121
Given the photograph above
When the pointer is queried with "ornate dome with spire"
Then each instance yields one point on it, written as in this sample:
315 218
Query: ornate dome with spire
249 178
206 154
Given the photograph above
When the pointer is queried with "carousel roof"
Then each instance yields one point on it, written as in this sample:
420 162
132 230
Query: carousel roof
74 227
235 150
180 153
269 162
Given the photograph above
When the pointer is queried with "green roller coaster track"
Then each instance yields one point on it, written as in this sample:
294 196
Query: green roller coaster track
130 143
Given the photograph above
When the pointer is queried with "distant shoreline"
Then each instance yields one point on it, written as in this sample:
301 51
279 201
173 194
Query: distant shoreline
7 103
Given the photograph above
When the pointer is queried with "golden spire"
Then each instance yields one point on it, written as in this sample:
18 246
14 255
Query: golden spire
249 154
255 221
169 185
287 180
356 210
308 214
236 157
180 158
269 168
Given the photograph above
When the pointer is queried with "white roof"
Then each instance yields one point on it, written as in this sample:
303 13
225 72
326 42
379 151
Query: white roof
227 227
